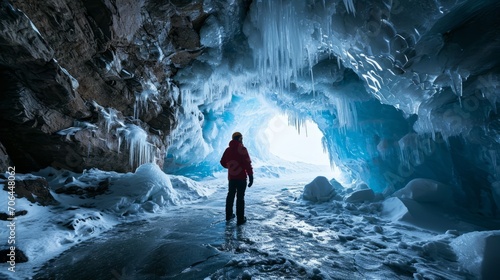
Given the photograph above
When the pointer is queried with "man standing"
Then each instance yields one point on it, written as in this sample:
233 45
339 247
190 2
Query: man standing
238 163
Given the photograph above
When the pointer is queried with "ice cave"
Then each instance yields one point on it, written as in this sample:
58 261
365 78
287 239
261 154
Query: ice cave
372 129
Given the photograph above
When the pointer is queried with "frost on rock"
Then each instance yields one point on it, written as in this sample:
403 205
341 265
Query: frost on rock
149 94
319 190
125 140
140 150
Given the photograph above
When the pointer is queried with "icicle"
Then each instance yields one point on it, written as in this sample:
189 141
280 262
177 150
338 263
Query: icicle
413 149
456 79
311 71
142 100
349 6
282 53
488 85
346 113
140 150
493 161
88 150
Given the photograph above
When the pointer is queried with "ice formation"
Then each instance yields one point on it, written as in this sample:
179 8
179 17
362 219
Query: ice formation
394 87
142 99
119 134
141 151
404 92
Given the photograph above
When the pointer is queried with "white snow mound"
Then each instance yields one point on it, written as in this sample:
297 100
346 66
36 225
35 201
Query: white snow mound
319 190
149 189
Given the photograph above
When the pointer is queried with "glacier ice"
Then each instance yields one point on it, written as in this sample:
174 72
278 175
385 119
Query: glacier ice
395 88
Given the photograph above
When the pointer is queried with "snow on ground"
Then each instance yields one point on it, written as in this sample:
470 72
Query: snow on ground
343 240
351 233
45 232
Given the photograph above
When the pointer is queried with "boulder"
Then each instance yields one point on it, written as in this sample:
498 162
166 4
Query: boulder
364 195
36 190
426 190
20 256
319 190
4 216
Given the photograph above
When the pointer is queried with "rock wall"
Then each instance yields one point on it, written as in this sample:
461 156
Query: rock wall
4 158
81 81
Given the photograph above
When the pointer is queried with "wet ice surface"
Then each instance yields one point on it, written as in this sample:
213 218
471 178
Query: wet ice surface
284 238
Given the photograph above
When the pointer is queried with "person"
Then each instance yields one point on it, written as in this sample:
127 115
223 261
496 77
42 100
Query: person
237 161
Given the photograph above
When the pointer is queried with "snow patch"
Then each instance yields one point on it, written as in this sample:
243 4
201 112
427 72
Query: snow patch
45 232
149 189
424 215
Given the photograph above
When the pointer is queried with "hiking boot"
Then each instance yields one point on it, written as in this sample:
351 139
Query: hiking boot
240 222
230 218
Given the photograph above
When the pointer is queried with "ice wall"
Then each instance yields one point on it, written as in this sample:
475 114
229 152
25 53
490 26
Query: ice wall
415 57
400 89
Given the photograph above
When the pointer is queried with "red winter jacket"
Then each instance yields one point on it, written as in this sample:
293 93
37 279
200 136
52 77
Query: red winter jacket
237 161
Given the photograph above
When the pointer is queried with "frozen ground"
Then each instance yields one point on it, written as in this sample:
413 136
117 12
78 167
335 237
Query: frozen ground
286 236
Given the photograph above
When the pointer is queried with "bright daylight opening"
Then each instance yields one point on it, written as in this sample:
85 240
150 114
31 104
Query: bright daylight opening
286 142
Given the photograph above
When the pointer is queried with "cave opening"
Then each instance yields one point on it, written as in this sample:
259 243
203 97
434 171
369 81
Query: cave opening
296 142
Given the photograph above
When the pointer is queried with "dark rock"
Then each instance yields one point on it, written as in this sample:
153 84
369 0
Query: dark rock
20 257
83 52
4 159
165 121
86 192
182 35
182 58
35 190
73 223
5 216
69 180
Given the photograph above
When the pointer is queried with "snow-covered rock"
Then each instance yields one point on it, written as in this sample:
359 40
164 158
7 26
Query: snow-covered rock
336 185
319 190
426 216
365 195
426 190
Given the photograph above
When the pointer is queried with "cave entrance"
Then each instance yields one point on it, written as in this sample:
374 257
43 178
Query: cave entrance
296 142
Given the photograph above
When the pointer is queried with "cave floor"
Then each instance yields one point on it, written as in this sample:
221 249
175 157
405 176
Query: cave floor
284 238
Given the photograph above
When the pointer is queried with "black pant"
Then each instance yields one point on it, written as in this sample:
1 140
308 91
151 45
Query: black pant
236 187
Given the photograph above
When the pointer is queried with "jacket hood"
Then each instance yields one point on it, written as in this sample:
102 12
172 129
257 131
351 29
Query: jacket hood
235 143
